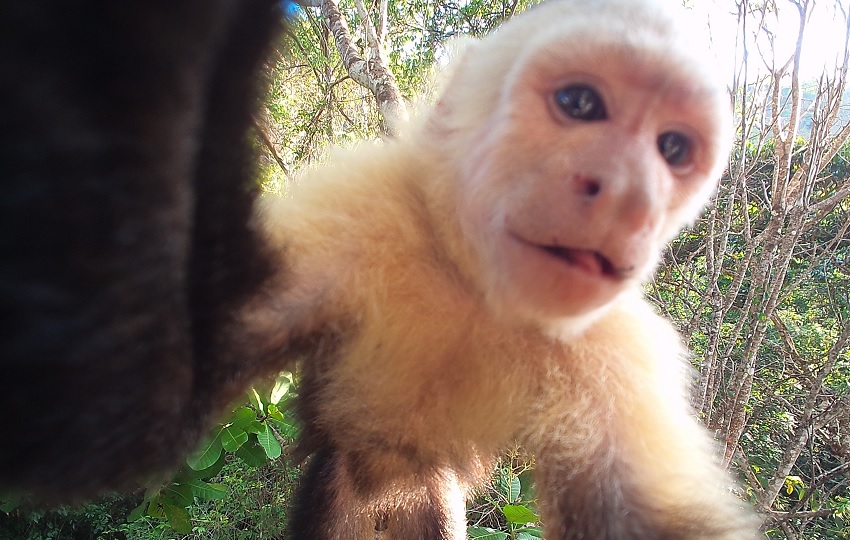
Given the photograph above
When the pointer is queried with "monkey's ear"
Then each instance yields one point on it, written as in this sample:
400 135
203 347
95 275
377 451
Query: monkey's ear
459 52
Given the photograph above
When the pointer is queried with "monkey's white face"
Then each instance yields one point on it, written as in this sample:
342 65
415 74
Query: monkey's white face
592 159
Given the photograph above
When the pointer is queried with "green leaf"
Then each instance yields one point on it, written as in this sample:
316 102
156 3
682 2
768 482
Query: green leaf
281 387
508 485
178 495
288 427
252 454
137 512
519 514
269 442
515 489
152 490
526 479
485 533
256 400
9 503
206 455
255 427
232 438
274 412
178 517
187 473
242 418
529 533
793 483
208 492
155 507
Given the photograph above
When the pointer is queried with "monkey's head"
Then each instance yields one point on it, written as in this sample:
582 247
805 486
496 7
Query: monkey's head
577 150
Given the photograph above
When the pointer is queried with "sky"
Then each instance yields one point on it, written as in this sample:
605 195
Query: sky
822 41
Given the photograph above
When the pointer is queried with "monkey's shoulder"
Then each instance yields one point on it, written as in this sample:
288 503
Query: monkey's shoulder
358 230
633 339
352 206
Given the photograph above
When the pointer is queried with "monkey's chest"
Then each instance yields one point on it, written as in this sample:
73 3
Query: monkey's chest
434 384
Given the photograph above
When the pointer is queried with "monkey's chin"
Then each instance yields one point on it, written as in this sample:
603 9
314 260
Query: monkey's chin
557 284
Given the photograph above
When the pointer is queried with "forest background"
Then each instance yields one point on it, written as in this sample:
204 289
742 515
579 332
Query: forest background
759 286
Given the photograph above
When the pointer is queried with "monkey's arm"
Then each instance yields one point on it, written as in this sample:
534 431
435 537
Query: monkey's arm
127 186
622 457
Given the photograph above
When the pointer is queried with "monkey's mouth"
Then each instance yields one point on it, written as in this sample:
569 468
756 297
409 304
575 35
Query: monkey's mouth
587 260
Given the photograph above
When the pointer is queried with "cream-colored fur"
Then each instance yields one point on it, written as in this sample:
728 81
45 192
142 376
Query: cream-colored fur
367 240
431 367
449 348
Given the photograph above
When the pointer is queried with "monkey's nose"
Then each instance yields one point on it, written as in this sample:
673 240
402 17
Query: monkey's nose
587 186
615 198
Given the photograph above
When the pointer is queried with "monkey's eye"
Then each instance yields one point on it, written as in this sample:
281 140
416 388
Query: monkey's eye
581 102
675 148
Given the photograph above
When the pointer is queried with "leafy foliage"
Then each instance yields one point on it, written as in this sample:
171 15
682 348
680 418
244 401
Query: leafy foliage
207 498
250 434
507 507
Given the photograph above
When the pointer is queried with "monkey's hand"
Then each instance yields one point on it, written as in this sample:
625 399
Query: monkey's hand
622 456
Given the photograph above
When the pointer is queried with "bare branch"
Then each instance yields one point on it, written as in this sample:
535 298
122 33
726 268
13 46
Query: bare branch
267 142
373 74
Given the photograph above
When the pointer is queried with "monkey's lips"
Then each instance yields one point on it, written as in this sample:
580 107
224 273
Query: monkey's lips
587 260
590 263
554 280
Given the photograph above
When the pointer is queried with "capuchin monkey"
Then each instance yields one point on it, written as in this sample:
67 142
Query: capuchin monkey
474 283
478 281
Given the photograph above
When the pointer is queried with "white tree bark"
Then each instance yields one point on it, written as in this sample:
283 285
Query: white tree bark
370 70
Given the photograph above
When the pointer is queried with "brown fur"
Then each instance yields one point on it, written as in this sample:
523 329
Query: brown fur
127 192
454 345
